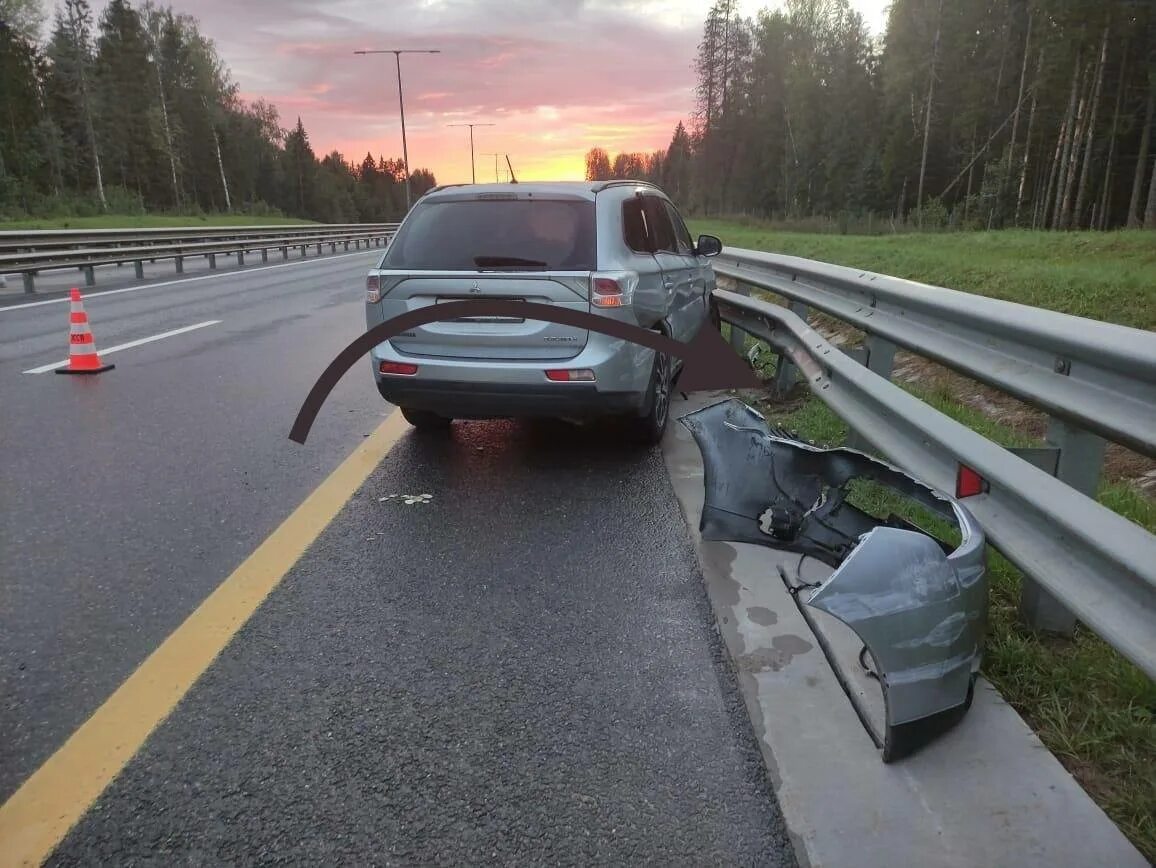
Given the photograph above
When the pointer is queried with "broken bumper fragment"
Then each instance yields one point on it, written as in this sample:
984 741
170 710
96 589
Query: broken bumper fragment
918 602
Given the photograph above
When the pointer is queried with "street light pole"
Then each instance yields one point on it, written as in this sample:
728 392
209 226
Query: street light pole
473 168
495 156
404 145
397 53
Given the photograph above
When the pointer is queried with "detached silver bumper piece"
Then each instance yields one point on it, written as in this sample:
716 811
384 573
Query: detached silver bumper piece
918 604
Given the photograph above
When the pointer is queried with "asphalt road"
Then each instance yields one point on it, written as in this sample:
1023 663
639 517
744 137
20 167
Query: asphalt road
521 670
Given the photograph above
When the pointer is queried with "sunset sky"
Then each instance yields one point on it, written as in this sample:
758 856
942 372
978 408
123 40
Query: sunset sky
556 76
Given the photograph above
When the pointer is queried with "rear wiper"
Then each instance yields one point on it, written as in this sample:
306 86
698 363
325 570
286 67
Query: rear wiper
500 261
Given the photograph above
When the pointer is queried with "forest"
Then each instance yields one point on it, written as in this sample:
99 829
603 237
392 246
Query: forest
976 114
962 114
137 113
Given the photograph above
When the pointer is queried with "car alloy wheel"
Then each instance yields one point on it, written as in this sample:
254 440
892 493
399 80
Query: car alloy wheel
662 380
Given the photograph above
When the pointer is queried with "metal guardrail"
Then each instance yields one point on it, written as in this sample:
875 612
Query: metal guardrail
44 239
1080 559
29 253
1096 375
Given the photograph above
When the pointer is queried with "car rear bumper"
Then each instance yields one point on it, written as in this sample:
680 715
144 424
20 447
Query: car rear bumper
475 389
495 401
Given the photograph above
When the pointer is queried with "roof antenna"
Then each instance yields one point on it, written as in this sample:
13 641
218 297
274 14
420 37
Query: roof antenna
513 178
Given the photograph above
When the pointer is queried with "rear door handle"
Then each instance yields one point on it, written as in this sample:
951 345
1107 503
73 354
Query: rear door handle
668 282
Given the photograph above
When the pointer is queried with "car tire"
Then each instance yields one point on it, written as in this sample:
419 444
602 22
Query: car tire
424 420
649 428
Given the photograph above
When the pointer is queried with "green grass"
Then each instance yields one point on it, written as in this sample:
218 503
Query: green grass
1108 276
148 221
1090 706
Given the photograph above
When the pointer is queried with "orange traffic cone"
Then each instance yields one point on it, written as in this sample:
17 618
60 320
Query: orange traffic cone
82 357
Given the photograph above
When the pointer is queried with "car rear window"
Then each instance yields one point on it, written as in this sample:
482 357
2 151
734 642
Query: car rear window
496 234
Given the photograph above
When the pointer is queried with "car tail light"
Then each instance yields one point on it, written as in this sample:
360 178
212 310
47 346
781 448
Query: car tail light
968 483
400 369
607 293
581 375
373 289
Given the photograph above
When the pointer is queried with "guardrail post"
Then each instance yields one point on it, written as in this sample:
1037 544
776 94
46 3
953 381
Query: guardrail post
180 263
785 370
240 257
89 276
319 250
138 269
1077 461
285 254
30 281
212 260
738 336
264 254
302 251
878 356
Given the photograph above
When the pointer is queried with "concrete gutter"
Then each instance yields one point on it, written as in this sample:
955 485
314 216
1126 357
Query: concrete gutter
987 793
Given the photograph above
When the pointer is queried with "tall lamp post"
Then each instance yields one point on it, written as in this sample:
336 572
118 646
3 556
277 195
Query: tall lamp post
473 167
397 53
495 156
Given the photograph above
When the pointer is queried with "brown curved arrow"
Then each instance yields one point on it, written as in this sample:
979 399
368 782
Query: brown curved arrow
708 362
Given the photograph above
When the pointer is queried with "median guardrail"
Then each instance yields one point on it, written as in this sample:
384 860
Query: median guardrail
29 253
1096 381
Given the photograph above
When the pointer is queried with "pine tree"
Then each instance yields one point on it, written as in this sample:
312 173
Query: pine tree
20 116
300 169
70 82
124 103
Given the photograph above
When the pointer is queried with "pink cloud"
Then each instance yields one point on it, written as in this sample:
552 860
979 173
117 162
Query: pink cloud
557 76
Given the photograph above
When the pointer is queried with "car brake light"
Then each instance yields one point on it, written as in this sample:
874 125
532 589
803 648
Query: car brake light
582 375
373 289
607 293
968 483
401 369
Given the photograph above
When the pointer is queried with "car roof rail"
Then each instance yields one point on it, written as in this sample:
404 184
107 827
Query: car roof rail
441 187
623 182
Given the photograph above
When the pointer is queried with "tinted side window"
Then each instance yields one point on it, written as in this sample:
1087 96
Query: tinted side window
681 233
659 222
634 226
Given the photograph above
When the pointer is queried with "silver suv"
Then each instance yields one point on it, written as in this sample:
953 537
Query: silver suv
618 249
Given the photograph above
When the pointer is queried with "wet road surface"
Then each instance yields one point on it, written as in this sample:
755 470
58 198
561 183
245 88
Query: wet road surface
520 670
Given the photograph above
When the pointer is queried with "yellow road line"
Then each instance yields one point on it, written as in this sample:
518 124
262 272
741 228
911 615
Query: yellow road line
39 814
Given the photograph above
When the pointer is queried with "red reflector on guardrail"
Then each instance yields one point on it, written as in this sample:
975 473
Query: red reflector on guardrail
968 483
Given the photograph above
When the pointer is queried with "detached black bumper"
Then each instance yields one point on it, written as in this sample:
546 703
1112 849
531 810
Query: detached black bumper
495 401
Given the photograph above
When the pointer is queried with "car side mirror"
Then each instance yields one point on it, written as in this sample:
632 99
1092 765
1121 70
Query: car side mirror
708 245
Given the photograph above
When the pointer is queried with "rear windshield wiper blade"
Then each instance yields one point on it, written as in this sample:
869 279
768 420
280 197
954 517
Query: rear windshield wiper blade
512 261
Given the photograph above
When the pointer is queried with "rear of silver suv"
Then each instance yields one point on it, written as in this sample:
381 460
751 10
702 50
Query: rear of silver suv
615 249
